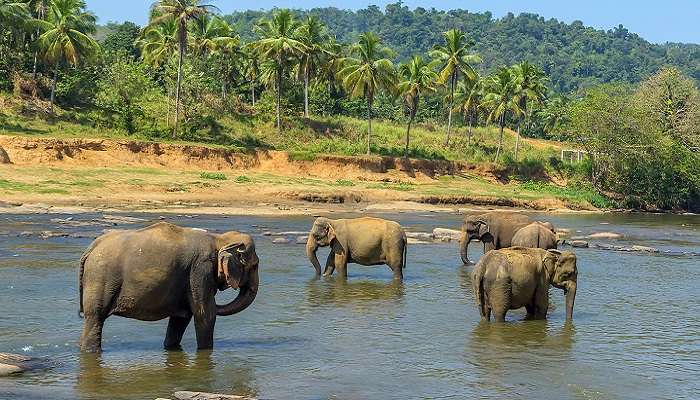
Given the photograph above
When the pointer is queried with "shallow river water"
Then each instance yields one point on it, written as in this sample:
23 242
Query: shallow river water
635 333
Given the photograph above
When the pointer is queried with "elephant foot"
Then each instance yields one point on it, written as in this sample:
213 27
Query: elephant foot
91 349
172 347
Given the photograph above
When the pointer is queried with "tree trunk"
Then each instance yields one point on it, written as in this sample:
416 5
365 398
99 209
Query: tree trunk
306 91
408 133
500 137
36 58
279 97
252 91
223 91
53 86
517 143
177 89
369 123
167 114
449 113
469 134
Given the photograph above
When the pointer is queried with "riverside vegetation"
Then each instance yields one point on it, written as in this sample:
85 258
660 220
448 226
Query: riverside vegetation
280 80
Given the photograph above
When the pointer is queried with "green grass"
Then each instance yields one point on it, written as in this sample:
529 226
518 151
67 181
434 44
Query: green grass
243 179
213 175
344 182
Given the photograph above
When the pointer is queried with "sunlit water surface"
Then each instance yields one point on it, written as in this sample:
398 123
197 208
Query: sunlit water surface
635 332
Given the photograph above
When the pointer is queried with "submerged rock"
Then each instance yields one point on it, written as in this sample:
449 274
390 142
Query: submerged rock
302 239
18 363
446 235
185 395
606 235
280 240
577 243
424 236
644 248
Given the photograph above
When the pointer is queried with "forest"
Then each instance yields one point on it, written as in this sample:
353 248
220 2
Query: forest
311 76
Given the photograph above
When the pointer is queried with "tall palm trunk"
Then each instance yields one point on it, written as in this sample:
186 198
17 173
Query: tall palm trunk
177 89
369 122
36 59
469 133
501 122
306 90
453 78
167 114
517 142
252 92
279 96
53 86
408 131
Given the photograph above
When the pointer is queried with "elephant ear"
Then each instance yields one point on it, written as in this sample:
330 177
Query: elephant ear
326 226
550 260
229 267
484 228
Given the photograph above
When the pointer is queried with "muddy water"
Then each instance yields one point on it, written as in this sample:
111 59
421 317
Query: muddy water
635 332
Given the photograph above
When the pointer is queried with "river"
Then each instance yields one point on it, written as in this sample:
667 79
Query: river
635 332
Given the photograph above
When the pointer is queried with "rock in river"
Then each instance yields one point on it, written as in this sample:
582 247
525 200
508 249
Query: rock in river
17 363
446 234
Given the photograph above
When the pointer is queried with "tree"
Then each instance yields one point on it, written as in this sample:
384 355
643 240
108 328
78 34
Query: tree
530 90
312 33
279 41
418 78
65 36
469 94
211 35
500 98
181 12
368 72
122 37
158 44
455 59
554 114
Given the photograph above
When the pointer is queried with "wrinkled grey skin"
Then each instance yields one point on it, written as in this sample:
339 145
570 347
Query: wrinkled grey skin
364 241
164 271
508 279
536 235
494 229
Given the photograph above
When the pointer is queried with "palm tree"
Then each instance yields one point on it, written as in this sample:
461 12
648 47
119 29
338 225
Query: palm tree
158 44
251 71
65 36
212 35
182 12
554 113
13 15
418 77
455 59
38 9
500 98
531 90
468 96
367 73
313 35
278 43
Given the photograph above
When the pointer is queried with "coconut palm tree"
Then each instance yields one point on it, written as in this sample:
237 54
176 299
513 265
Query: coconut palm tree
368 72
251 71
12 11
65 36
182 12
312 33
468 96
456 59
501 97
279 42
158 44
531 91
211 34
418 78
38 9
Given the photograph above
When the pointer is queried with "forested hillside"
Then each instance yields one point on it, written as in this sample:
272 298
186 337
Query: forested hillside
572 55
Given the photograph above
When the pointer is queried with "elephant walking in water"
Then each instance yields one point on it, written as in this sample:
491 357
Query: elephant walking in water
494 229
365 241
536 235
516 277
165 271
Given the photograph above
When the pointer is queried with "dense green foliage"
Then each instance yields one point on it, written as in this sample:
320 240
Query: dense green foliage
572 55
189 75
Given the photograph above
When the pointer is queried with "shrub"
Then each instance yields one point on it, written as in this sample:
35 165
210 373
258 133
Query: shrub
213 175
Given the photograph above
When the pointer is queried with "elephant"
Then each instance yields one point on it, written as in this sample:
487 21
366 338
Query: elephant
494 229
536 235
364 241
508 279
165 271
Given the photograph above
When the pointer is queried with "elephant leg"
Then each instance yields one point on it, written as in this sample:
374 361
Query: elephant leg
500 296
541 302
341 262
176 328
330 264
204 328
91 338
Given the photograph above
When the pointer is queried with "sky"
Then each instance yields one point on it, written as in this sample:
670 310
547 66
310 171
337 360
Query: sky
656 21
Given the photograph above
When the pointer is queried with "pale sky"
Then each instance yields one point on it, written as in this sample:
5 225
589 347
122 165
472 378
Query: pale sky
656 21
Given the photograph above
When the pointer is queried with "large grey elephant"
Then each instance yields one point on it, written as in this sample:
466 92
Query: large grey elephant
165 271
494 229
536 235
508 279
364 241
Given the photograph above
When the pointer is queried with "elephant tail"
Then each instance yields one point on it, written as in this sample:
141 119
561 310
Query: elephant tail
405 249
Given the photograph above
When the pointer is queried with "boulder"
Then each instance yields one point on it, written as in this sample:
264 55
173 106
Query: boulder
606 235
4 157
8 369
644 248
577 243
280 240
446 235
302 239
185 395
424 236
18 363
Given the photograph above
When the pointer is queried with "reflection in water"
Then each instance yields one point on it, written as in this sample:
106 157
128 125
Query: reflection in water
97 378
341 292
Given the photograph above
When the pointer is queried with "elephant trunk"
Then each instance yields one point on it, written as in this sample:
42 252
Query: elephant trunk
570 298
246 295
311 247
463 247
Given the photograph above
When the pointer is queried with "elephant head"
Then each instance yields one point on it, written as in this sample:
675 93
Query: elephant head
321 235
562 272
474 227
237 267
